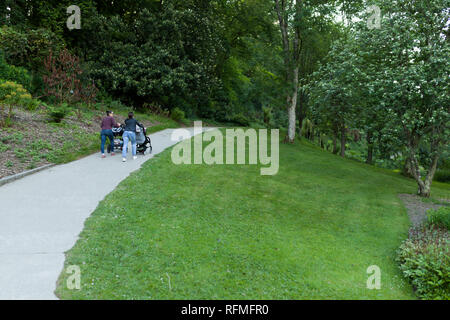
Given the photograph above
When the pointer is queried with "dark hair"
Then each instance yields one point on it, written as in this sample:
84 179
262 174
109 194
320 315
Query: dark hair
130 115
108 113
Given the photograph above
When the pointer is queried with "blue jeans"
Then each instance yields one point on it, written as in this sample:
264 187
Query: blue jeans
103 135
128 135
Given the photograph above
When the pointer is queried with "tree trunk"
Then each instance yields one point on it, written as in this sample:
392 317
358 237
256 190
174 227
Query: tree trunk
300 123
293 105
424 185
335 132
369 148
343 141
335 150
425 191
370 155
407 170
291 61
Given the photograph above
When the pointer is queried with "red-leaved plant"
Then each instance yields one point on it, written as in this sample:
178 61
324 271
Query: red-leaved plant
62 80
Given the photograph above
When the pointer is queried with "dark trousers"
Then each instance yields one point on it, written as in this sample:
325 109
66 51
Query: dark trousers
109 134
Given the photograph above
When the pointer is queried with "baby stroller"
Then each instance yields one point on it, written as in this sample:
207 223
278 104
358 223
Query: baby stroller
143 141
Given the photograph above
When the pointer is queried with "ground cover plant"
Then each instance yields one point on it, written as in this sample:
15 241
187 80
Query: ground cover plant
424 259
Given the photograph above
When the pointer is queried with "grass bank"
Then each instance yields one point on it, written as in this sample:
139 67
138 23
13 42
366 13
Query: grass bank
226 232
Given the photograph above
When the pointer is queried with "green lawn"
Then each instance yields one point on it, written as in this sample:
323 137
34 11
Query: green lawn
226 232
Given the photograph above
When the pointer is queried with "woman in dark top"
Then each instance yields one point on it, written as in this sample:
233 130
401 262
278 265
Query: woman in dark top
130 134
108 123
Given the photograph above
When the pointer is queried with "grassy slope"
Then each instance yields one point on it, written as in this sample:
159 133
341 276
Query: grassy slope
225 232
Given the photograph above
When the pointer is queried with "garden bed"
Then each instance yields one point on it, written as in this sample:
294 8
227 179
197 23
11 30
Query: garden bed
31 141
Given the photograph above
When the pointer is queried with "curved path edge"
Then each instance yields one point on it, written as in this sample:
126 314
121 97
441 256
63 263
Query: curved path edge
41 216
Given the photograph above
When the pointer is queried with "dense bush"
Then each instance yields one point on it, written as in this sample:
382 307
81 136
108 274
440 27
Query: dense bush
168 58
155 108
177 114
16 74
267 116
14 45
63 79
14 94
425 260
442 175
174 53
241 120
28 48
440 217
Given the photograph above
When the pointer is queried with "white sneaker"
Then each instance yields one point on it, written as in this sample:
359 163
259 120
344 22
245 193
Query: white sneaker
134 157
124 159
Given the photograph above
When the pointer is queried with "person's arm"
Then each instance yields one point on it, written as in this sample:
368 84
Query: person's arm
101 124
140 125
114 123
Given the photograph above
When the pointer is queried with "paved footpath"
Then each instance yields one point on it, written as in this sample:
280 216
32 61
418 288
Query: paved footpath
42 215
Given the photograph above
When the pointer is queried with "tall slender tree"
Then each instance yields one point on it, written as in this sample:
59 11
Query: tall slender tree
289 19
299 21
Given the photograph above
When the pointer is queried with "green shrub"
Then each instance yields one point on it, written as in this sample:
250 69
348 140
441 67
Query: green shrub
307 128
241 120
28 48
177 114
267 116
155 108
444 162
442 175
57 114
14 44
424 259
31 104
37 85
16 74
440 217
13 94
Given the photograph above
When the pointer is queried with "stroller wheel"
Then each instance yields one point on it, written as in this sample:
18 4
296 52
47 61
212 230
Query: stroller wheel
149 145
